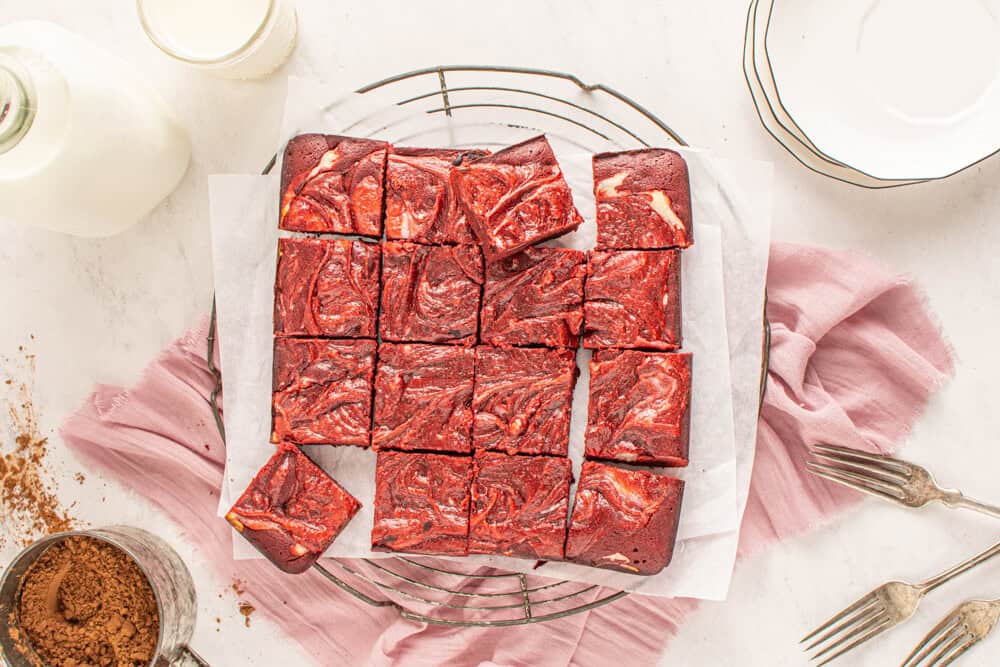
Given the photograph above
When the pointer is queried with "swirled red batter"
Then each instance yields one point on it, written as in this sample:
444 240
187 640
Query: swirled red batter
430 294
643 200
632 298
333 184
419 202
422 503
423 397
534 298
640 407
519 505
522 400
326 287
516 197
292 510
323 391
624 519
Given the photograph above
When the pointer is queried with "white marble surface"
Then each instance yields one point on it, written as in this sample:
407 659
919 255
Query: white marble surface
99 310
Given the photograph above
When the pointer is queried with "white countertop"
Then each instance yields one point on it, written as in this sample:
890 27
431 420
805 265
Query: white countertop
100 310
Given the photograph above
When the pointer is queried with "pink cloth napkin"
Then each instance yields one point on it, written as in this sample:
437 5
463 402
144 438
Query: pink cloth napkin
855 357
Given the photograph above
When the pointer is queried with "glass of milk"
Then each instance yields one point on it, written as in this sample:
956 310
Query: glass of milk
235 39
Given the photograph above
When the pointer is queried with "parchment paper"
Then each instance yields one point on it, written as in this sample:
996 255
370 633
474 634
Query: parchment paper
718 280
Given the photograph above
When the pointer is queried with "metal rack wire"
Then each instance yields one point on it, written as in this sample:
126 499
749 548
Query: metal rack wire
440 106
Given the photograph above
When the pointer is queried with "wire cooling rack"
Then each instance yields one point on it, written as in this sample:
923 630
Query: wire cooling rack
440 106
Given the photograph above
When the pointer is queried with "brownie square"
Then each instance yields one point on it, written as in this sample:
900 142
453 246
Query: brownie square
640 407
515 198
643 200
422 503
322 391
333 184
292 510
624 519
430 294
522 400
419 202
534 298
327 288
632 298
423 398
519 505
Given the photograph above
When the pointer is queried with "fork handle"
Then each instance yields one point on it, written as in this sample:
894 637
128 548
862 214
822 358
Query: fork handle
961 568
956 499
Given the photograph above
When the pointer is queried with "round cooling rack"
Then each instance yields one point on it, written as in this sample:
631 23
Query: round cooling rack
470 105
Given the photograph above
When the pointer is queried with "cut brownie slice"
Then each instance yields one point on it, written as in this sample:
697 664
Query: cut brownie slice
292 510
430 294
326 287
422 503
633 299
333 184
643 200
423 398
522 400
519 505
323 391
419 202
534 298
624 519
516 197
640 407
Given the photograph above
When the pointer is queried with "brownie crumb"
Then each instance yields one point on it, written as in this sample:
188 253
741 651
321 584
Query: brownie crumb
247 610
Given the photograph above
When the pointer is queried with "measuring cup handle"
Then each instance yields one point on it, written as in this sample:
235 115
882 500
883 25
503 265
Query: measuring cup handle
189 657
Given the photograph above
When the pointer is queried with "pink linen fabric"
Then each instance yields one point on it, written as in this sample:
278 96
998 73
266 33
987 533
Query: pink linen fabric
855 357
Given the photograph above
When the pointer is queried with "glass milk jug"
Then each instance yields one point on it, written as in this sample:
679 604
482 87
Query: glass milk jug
86 146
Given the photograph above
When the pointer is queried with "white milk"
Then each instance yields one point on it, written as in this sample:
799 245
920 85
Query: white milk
87 147
238 39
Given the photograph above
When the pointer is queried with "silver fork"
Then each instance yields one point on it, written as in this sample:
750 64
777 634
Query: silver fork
887 478
885 607
963 628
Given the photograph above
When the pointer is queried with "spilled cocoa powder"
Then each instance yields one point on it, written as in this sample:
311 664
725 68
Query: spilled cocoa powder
29 507
85 602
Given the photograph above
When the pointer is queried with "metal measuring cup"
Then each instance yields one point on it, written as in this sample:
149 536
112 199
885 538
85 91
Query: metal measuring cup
169 578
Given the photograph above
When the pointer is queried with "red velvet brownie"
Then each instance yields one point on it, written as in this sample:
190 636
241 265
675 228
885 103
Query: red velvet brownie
624 519
519 505
333 184
640 407
292 510
430 294
419 202
522 400
326 287
534 298
632 298
423 398
643 200
516 197
422 503
322 391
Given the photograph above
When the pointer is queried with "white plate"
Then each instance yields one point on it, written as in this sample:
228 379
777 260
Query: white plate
897 89
775 118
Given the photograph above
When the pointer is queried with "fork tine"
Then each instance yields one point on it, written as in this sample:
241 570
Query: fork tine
862 456
885 473
947 649
870 630
865 601
939 633
855 481
957 654
864 614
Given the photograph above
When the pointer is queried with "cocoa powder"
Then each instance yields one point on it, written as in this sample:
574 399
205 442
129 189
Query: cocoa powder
85 602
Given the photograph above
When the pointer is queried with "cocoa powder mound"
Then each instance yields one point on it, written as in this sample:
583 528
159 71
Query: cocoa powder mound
85 602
